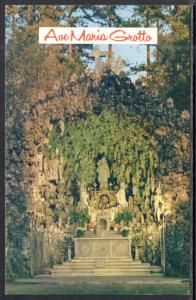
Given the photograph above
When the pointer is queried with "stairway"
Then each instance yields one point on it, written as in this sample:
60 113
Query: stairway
119 266
103 266
103 234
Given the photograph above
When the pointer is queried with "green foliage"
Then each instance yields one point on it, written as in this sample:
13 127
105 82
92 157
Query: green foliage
67 242
118 218
119 138
171 57
152 252
125 216
17 220
79 232
114 127
30 64
125 232
16 265
178 242
136 240
80 217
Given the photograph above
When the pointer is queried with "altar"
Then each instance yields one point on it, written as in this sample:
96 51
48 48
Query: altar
102 247
102 244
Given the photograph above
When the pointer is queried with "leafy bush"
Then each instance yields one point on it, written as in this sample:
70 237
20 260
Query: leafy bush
80 232
125 231
177 243
67 242
152 253
109 134
125 216
16 265
80 217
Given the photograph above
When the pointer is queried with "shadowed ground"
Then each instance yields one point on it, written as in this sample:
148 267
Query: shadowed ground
99 286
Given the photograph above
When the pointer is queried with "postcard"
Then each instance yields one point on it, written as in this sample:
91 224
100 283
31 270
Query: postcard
98 149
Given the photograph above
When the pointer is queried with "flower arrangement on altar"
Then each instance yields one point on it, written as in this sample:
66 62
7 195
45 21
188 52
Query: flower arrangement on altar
115 227
92 227
124 231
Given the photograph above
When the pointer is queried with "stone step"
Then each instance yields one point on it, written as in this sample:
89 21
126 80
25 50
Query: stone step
134 266
81 265
107 235
108 271
125 258
108 264
83 259
119 266
116 270
78 270
107 257
154 270
76 266
73 267
68 271
151 275
121 271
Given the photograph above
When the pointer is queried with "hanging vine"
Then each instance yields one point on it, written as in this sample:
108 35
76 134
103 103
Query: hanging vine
126 146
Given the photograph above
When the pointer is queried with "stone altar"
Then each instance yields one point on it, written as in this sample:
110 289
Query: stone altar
102 247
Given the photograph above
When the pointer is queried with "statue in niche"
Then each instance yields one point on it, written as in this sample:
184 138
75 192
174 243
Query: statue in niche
104 202
84 196
130 201
62 127
103 173
121 199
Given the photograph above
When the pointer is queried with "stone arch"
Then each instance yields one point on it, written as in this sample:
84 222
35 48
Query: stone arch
103 222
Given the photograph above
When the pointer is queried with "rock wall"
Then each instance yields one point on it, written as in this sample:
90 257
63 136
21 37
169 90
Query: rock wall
47 200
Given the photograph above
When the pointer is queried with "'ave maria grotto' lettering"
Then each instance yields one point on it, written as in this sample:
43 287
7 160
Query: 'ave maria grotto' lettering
116 36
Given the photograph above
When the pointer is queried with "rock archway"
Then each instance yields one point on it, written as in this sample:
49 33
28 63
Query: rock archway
50 125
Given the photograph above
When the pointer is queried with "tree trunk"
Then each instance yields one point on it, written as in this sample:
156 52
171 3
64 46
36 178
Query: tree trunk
110 56
70 51
148 55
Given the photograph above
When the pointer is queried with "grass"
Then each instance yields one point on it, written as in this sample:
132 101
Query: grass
98 287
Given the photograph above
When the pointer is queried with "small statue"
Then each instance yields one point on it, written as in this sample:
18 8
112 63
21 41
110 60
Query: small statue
121 199
130 201
104 202
103 173
83 203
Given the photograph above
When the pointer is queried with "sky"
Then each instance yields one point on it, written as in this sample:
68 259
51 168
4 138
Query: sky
132 54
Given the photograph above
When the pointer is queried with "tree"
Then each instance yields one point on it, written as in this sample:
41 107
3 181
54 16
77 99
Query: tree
172 56
178 242
106 16
148 16
37 67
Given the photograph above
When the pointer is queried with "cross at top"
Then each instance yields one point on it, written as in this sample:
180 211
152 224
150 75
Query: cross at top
97 54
